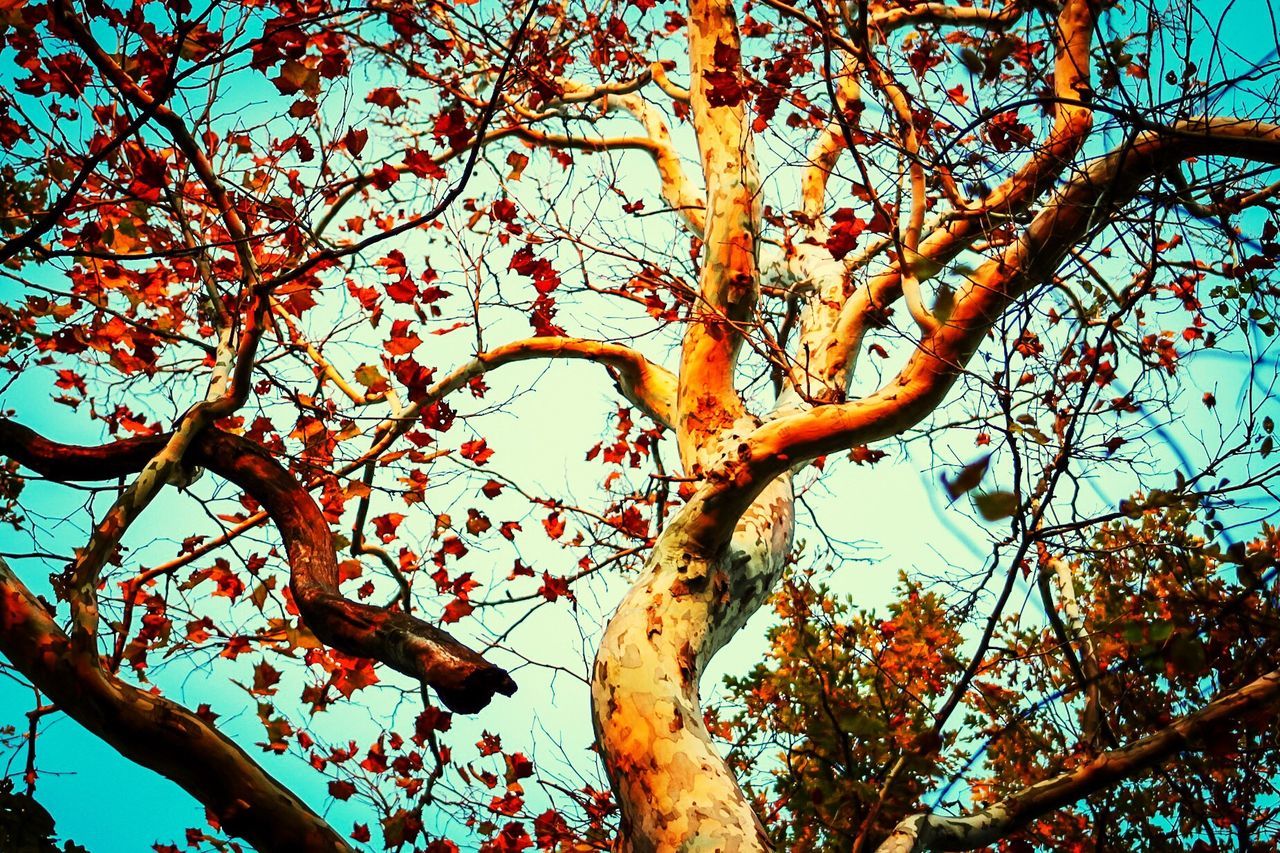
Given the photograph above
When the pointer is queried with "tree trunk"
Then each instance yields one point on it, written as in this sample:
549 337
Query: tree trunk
674 789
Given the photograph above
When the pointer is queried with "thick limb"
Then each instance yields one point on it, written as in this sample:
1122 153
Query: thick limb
832 361
157 733
464 680
707 401
675 791
1069 217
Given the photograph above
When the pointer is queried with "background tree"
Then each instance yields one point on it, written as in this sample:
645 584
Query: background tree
287 242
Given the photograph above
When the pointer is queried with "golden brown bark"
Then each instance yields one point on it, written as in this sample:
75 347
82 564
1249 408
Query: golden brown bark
157 733
464 680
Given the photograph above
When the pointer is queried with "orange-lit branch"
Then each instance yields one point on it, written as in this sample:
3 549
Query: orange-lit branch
157 733
645 384
1073 120
707 401
1082 205
465 681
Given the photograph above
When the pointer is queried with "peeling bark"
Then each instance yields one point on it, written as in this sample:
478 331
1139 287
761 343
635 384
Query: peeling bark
464 680
675 790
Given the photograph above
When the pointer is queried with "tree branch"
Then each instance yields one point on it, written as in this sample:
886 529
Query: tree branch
1190 733
157 733
464 680
729 284
1077 209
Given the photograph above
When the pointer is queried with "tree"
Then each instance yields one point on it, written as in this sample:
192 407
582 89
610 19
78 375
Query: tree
287 242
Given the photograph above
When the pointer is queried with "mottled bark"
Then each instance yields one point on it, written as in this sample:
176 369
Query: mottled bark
729 283
464 680
675 791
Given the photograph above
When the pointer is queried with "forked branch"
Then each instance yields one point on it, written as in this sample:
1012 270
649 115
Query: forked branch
464 680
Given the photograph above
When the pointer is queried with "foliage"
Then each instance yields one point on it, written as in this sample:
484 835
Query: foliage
365 362
837 727
841 701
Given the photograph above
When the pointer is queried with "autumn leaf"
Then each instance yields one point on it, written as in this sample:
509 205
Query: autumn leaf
355 141
968 478
386 525
996 505
554 525
456 610
386 96
843 235
477 450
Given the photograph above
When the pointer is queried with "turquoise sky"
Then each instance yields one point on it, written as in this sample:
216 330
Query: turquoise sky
894 517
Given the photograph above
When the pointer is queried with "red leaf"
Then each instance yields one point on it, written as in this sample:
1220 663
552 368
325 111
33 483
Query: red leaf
845 229
421 164
452 126
403 340
551 829
554 525
354 674
375 761
545 278
341 789
455 610
229 585
386 525
489 744
553 588
503 210
477 451
386 96
355 141
724 89
864 455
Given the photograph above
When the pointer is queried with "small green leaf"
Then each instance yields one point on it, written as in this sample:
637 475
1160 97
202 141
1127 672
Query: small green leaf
996 505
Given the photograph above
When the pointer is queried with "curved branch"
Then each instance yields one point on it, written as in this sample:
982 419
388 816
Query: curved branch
648 386
1077 209
464 680
1190 733
1072 123
157 733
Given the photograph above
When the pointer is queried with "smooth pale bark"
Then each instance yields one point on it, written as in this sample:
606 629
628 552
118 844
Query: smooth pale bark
920 833
675 791
707 403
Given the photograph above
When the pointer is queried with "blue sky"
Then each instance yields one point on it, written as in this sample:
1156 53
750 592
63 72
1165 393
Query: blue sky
895 513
